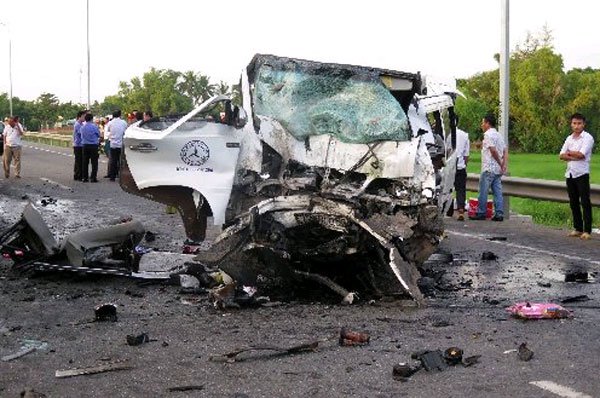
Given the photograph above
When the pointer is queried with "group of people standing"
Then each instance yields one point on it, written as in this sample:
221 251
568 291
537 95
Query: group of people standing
576 151
86 142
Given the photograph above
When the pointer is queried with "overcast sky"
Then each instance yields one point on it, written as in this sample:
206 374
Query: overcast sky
218 38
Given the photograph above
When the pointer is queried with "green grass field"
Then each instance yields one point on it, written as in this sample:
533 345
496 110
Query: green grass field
546 167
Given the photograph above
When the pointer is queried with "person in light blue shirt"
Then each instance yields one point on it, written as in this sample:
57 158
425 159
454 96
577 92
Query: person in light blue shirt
90 138
78 146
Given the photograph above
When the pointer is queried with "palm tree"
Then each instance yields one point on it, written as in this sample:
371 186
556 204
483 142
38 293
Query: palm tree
222 88
196 86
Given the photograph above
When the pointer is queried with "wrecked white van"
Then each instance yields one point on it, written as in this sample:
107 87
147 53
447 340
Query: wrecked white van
325 172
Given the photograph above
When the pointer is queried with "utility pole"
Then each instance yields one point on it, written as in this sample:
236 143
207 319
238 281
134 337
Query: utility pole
10 102
88 53
80 84
504 83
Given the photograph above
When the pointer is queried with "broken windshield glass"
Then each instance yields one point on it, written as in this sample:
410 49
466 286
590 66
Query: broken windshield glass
354 108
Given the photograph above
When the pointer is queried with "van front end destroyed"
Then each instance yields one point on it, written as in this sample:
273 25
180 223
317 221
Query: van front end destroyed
322 177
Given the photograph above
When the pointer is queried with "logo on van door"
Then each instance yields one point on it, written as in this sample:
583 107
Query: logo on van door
195 153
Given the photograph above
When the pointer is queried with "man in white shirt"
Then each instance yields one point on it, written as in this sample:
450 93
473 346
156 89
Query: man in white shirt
13 132
460 179
493 165
577 152
115 130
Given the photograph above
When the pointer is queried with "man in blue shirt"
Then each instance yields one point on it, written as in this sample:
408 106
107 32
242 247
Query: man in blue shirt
78 146
90 138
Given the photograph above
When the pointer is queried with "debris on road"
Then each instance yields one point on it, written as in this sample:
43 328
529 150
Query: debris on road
524 353
437 361
453 355
489 256
544 284
432 360
575 299
46 200
527 310
18 354
30 244
352 338
137 340
402 371
278 351
472 360
577 276
105 313
150 237
497 238
107 367
31 393
185 388
27 347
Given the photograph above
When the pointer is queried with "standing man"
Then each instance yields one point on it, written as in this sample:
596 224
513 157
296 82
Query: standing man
493 165
115 129
78 146
12 146
460 179
90 137
2 136
577 152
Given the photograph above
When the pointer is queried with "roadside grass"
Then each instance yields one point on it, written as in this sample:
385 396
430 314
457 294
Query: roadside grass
545 167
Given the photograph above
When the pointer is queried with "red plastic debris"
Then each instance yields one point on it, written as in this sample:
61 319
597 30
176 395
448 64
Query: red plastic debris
539 311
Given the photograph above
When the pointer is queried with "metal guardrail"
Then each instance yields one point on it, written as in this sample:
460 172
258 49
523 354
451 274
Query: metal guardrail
48 138
554 191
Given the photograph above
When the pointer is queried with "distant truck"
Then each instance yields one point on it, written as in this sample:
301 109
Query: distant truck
325 172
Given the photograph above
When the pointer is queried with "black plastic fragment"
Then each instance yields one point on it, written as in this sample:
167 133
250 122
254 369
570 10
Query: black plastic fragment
106 313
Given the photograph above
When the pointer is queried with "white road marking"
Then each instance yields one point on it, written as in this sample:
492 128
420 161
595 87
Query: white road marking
49 150
55 183
559 390
517 246
58 153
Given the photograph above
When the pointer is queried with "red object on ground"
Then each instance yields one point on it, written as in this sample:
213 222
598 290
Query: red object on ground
474 202
528 310
352 338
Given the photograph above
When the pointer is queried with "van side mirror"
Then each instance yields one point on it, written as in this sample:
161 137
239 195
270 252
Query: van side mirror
241 118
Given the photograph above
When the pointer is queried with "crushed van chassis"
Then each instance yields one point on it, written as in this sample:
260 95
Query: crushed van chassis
329 189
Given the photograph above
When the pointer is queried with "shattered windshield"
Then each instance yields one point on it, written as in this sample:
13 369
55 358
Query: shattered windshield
353 108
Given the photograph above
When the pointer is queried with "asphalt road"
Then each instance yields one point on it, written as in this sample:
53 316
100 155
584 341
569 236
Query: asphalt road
466 309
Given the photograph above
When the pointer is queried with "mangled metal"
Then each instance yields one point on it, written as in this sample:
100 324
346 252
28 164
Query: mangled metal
109 250
331 180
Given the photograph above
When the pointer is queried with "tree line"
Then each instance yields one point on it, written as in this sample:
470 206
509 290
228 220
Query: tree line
163 91
542 97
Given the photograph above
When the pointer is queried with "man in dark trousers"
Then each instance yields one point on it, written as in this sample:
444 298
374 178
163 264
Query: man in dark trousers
90 138
78 146
115 130
577 152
